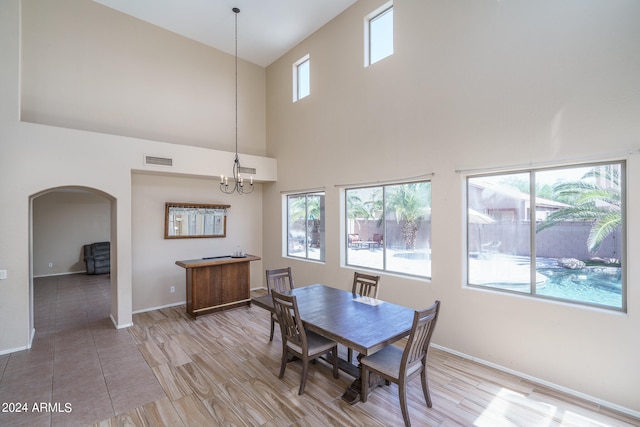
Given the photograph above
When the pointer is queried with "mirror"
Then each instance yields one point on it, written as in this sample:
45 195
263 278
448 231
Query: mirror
192 220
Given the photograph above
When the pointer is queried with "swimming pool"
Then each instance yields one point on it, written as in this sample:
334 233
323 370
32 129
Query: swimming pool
600 285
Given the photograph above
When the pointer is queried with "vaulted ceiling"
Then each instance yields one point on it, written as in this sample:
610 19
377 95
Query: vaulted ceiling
266 28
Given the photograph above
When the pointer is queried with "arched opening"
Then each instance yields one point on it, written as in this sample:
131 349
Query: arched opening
61 221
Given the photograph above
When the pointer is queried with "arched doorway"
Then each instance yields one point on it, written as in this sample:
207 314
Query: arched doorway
61 221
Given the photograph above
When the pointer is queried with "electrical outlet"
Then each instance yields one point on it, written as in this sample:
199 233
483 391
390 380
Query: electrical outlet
172 289
3 274
50 265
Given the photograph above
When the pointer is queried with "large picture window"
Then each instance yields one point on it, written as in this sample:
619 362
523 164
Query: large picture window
389 228
551 233
305 225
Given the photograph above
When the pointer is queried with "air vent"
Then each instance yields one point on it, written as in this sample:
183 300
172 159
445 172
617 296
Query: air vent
251 171
158 161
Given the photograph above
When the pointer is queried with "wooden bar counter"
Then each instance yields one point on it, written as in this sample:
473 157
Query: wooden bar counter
217 283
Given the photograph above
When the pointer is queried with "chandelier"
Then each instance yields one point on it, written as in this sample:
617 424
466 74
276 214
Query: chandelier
239 185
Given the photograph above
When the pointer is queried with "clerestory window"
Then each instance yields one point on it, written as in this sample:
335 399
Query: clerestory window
301 78
378 34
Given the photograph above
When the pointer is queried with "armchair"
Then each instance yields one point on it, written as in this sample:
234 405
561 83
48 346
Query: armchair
97 257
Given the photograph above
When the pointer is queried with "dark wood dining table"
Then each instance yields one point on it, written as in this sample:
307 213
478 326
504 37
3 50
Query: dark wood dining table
363 324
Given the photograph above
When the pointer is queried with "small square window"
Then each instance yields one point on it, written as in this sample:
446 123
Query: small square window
379 34
301 82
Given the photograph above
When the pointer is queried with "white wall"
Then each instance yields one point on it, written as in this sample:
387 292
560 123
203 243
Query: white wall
472 84
39 157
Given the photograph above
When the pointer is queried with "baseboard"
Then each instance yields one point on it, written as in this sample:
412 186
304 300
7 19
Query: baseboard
545 383
61 274
13 350
115 324
144 310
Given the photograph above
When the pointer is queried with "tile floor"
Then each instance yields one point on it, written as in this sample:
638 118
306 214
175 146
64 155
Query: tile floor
78 361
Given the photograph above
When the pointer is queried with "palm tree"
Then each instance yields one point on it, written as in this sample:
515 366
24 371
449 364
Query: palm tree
357 208
597 198
409 202
307 210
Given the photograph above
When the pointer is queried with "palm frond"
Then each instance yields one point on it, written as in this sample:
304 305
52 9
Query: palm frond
604 226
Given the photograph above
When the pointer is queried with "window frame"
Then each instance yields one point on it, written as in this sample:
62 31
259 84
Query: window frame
287 228
296 77
345 232
368 19
533 196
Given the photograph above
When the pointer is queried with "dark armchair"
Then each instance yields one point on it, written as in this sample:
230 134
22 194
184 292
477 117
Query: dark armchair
97 257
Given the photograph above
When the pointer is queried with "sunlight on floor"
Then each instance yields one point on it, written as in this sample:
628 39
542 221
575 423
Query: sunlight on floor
504 408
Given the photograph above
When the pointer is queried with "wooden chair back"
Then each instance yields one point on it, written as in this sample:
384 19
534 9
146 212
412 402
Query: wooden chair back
279 280
424 323
365 284
286 310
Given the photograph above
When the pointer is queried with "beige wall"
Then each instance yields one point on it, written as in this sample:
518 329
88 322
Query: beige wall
154 257
472 84
63 222
75 151
89 67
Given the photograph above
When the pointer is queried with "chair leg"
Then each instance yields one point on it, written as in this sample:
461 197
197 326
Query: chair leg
402 392
425 386
303 380
364 383
283 362
273 325
349 355
334 353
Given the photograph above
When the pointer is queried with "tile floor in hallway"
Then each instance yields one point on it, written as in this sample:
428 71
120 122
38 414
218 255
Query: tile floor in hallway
78 360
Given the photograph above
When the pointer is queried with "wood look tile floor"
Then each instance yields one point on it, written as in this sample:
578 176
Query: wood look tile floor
221 369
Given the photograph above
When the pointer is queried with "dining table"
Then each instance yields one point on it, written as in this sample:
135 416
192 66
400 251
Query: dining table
361 323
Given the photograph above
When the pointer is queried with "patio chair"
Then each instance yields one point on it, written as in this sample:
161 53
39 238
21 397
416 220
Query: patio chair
353 239
378 240
400 366
279 280
297 341
365 285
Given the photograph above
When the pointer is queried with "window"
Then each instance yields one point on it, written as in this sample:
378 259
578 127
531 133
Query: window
550 233
301 83
389 228
378 34
305 225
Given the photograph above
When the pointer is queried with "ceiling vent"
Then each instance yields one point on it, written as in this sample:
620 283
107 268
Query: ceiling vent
158 161
251 171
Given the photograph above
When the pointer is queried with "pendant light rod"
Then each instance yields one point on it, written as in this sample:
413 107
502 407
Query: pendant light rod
238 185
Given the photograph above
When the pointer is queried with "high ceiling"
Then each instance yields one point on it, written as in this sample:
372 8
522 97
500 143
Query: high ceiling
266 28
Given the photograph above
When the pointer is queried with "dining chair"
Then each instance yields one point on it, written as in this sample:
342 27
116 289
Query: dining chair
365 285
279 279
400 366
306 345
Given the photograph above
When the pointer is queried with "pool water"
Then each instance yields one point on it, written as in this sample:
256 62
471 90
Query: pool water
597 285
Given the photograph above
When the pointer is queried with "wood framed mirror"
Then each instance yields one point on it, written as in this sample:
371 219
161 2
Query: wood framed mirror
194 220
